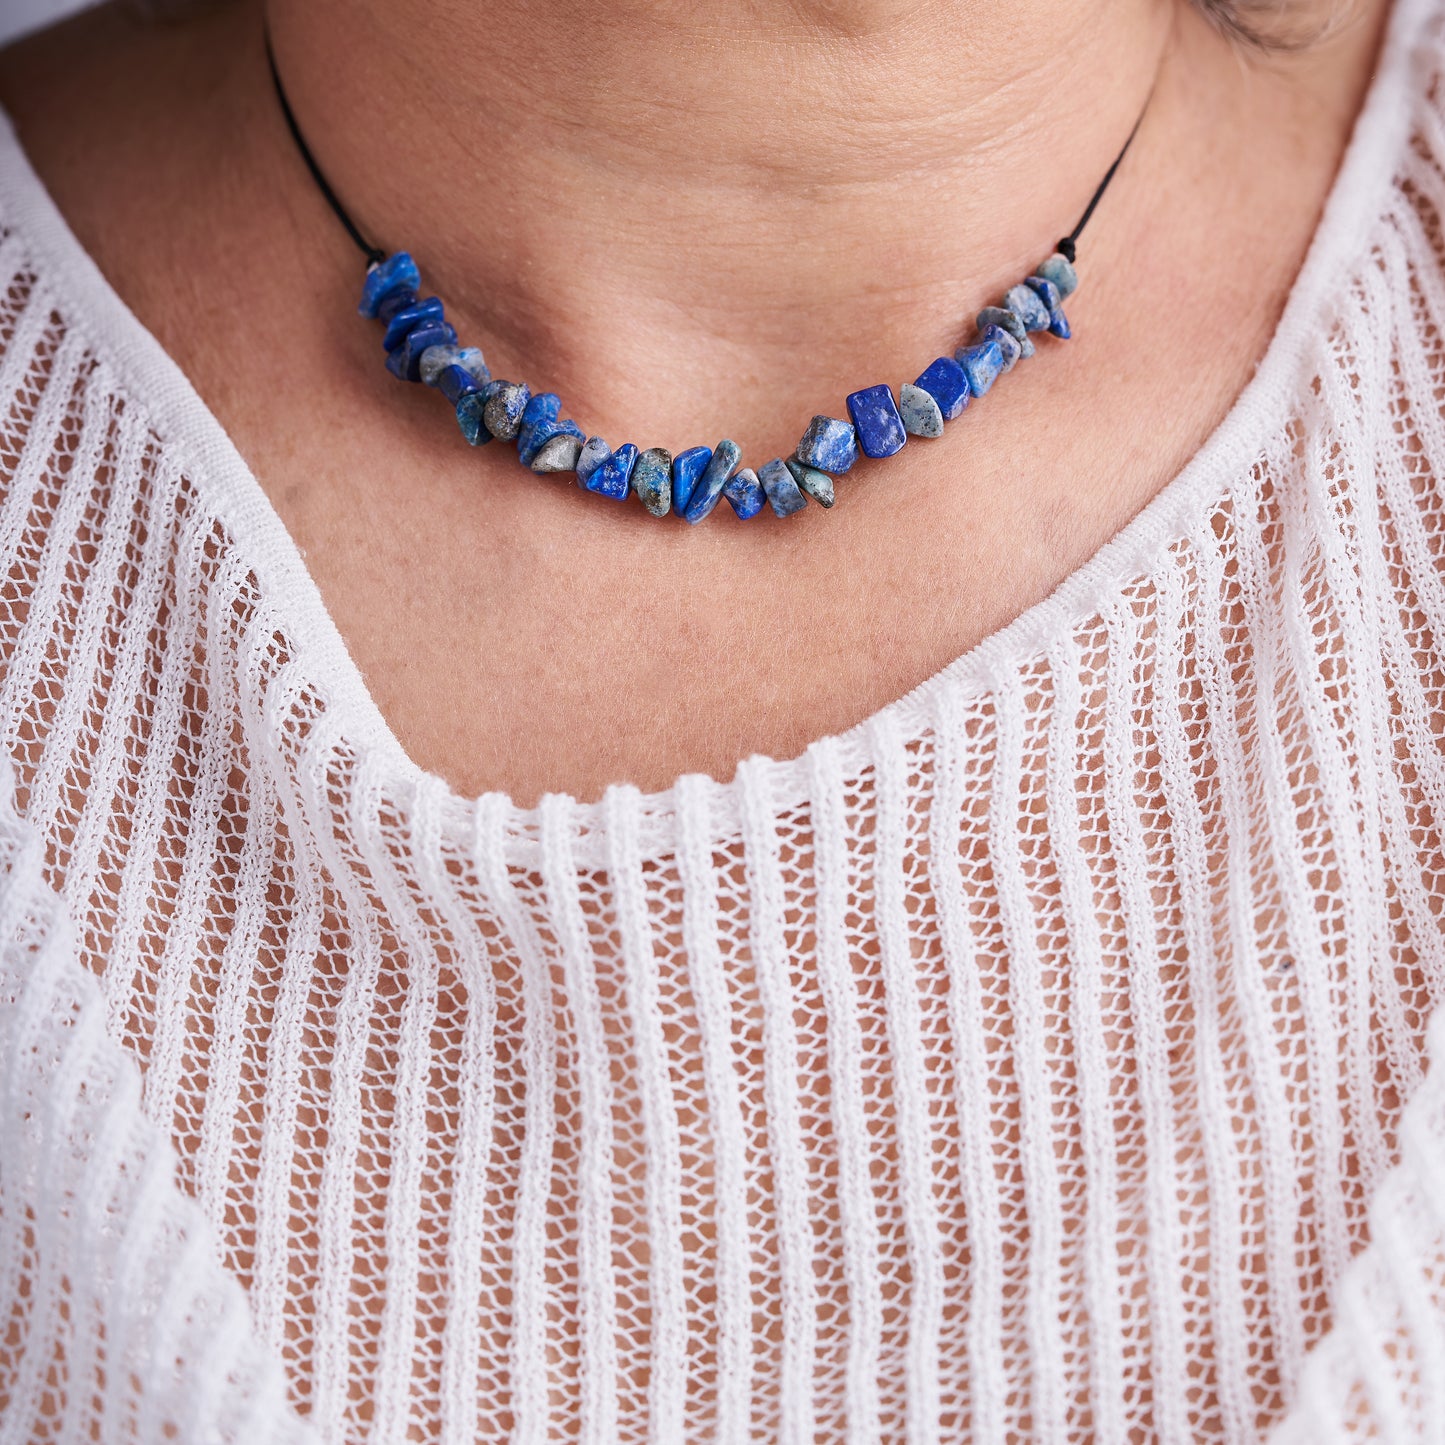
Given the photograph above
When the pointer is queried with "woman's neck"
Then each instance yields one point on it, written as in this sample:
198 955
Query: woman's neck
661 208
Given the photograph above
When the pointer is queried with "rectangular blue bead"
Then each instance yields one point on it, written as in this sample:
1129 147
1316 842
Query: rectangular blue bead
877 422
419 313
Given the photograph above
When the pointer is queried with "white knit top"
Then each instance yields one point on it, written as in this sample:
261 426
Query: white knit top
1044 1059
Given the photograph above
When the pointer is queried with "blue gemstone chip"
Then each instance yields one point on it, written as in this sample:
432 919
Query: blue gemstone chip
875 418
715 476
687 469
398 271
981 364
945 382
829 445
614 477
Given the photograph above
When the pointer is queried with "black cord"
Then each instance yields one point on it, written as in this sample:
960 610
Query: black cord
374 254
1067 246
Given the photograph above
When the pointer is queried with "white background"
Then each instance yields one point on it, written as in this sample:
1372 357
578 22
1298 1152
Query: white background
18 16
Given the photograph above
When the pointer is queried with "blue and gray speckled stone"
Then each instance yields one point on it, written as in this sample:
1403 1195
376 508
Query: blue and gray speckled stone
920 413
744 494
471 358
818 485
593 454
687 467
435 360
1060 270
652 480
829 445
1001 316
716 475
1024 302
539 414
785 496
981 364
471 420
405 361
505 405
559 454
1006 342
614 477
398 270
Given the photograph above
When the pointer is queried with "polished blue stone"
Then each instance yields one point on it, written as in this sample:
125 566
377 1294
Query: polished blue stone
652 480
540 411
876 420
829 445
614 477
435 360
744 494
1024 302
506 401
471 358
1053 298
593 454
1002 317
560 454
784 494
470 419
920 413
1060 270
393 302
945 382
818 485
543 433
409 318
687 467
405 361
981 365
1006 342
455 382
715 476
396 271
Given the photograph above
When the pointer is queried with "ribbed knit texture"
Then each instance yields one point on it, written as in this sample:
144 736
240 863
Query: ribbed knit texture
1045 1059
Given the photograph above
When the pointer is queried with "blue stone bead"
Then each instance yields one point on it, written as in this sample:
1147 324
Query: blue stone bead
1000 316
561 454
744 494
945 382
405 361
410 317
981 364
1023 301
877 422
716 475
1045 290
545 432
393 302
506 401
1059 324
818 485
687 467
435 360
470 419
829 445
471 358
396 271
540 411
1006 343
1060 270
592 455
652 480
920 413
781 486
455 382
614 477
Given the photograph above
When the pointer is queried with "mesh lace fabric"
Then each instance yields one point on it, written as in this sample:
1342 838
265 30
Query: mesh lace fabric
1047 1059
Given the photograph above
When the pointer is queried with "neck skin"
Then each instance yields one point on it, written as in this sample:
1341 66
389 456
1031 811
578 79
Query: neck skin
697 220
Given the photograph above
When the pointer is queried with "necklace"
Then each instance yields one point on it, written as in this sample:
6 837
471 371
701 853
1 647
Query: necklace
421 346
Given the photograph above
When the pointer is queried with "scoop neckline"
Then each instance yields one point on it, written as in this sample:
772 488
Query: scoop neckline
213 465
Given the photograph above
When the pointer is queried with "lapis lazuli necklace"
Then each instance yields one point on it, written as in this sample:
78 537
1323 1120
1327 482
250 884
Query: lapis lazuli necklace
422 347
